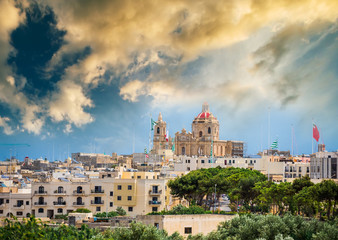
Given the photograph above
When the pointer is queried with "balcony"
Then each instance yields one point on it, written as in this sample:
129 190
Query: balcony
97 191
59 203
96 202
78 203
40 203
40 192
19 206
158 192
59 192
75 192
154 202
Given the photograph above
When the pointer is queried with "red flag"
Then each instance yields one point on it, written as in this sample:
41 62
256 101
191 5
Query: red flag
315 132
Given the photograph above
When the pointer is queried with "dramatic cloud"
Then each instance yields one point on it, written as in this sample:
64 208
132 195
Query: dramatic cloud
238 55
10 84
68 105
4 124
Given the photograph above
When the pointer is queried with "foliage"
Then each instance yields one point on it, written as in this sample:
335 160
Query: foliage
34 229
180 209
139 231
249 191
82 210
198 187
271 227
120 211
110 214
62 216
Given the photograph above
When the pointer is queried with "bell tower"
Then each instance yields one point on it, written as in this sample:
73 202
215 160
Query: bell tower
159 140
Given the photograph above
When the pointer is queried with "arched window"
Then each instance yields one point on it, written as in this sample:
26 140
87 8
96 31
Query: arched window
28 215
209 130
40 210
60 199
79 189
41 200
60 189
158 130
41 189
79 200
201 133
183 150
60 210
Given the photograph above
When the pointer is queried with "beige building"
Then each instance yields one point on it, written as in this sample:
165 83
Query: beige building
185 224
15 201
199 142
136 192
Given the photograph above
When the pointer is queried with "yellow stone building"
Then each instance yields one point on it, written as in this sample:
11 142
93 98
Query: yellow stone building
199 142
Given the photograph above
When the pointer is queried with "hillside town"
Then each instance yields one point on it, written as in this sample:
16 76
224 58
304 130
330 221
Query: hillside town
138 183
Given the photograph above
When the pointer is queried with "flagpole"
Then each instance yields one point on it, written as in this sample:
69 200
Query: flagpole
149 134
312 136
268 129
292 140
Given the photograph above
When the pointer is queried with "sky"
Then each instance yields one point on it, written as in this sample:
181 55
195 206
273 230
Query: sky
87 76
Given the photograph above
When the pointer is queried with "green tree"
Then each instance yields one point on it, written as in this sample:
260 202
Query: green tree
120 211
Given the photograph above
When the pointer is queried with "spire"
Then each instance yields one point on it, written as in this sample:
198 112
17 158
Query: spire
159 117
205 107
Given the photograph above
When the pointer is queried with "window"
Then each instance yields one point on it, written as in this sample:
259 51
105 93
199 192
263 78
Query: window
200 134
41 189
60 210
60 189
40 210
1 211
19 203
19 213
157 225
111 204
79 201
202 161
130 209
300 169
119 198
154 209
209 130
111 193
129 198
188 168
158 130
7 200
98 209
98 189
130 187
187 230
79 189
119 187
27 202
138 177
97 200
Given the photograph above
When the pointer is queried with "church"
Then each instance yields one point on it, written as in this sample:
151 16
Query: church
203 140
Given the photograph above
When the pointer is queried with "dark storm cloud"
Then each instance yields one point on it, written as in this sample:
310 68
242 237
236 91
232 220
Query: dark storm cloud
35 41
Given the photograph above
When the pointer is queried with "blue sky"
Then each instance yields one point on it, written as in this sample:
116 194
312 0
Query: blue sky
85 76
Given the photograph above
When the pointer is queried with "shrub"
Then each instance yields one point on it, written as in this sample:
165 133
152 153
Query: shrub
82 210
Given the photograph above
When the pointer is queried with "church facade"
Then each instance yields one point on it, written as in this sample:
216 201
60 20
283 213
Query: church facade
203 140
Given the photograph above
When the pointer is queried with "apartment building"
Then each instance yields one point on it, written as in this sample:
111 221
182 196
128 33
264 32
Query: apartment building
137 193
185 163
324 165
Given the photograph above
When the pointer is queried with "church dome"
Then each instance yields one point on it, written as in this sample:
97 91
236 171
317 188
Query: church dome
203 115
